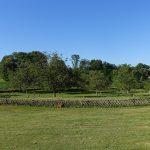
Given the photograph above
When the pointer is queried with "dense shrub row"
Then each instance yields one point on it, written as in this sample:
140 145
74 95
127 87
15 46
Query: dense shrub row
76 103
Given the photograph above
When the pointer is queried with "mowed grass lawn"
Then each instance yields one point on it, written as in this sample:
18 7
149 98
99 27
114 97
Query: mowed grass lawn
70 96
40 128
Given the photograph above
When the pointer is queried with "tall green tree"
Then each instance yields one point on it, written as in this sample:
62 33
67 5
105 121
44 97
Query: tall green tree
24 77
124 78
97 81
57 73
84 64
11 62
75 59
96 64
141 72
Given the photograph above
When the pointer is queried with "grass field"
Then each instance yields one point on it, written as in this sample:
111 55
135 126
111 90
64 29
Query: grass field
3 84
71 96
39 128
63 96
79 95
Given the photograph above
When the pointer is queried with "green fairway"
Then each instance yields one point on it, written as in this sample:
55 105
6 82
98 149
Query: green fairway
39 128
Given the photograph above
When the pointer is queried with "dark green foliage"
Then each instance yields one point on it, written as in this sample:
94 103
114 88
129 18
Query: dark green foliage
75 61
8 65
147 85
108 68
84 64
56 73
141 73
77 79
124 78
25 76
97 81
36 70
11 62
96 65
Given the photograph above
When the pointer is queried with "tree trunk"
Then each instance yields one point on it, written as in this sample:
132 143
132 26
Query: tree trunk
54 92
20 89
27 93
100 92
96 92
128 92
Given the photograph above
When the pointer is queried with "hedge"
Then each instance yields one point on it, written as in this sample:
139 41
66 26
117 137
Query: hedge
77 103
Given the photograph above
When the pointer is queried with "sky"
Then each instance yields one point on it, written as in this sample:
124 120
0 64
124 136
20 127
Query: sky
116 31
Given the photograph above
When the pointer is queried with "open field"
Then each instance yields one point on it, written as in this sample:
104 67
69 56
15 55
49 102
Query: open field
73 95
67 129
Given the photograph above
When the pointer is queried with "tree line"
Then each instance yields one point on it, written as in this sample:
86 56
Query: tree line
38 70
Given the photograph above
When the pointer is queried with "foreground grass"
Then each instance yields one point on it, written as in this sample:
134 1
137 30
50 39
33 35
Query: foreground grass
25 128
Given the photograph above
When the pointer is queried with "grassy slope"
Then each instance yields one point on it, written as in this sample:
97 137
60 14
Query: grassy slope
3 84
73 129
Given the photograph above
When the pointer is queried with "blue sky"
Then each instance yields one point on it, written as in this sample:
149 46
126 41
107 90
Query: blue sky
117 31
